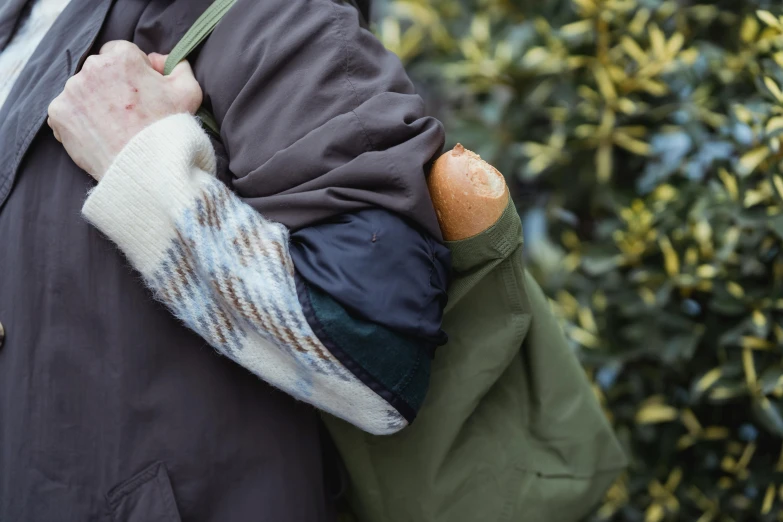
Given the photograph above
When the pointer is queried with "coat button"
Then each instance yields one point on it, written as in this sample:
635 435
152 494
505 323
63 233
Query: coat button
2 335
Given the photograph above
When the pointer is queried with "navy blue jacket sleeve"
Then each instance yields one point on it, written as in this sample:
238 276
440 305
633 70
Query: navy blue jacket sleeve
373 287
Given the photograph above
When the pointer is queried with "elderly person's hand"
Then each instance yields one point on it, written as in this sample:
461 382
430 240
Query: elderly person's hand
117 93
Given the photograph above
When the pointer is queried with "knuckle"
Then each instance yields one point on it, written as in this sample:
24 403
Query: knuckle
116 46
90 63
72 83
90 69
126 46
105 48
129 51
122 51
54 108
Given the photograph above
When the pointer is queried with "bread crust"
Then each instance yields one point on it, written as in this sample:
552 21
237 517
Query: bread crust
468 193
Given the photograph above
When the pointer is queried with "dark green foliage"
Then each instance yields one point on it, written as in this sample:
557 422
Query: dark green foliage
641 140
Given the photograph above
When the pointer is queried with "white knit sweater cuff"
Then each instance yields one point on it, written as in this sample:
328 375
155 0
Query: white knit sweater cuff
154 178
223 269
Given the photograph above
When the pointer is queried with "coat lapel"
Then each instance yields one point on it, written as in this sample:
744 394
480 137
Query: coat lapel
9 15
54 61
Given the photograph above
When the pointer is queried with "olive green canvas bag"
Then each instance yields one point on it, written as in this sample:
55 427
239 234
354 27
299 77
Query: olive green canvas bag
510 429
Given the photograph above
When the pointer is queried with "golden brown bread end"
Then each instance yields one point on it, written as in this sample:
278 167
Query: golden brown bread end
468 193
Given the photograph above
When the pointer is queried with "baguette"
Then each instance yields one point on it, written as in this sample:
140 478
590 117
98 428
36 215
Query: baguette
469 194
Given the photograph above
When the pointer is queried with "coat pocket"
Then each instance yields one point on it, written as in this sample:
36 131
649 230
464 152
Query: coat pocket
145 497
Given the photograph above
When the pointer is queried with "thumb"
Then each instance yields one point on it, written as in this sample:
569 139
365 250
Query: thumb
181 70
158 61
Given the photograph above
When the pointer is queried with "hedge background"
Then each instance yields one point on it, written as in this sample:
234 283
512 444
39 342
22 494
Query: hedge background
641 141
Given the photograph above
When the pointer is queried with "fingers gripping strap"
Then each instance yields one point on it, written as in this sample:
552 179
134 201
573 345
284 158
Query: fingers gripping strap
197 33
200 29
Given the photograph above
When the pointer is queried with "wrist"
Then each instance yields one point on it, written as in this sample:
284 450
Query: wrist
155 176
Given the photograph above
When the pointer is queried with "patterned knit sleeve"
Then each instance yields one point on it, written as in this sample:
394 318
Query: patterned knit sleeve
223 269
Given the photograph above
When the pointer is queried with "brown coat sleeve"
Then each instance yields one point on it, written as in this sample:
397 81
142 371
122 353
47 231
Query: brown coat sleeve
318 119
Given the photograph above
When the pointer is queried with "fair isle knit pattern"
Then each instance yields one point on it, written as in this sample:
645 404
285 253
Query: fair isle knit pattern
223 269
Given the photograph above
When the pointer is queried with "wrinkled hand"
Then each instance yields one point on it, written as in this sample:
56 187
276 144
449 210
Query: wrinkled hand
117 93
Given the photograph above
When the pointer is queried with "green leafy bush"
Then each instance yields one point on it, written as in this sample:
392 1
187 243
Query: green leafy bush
641 141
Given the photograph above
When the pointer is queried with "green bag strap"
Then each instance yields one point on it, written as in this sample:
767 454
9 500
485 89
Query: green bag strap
197 33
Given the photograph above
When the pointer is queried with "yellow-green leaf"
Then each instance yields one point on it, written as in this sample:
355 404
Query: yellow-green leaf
735 289
730 182
604 82
670 260
535 57
753 197
777 181
665 192
768 18
647 295
774 125
749 29
639 21
654 513
603 162
742 113
626 106
752 159
674 44
773 88
656 413
630 144
577 28
706 271
769 498
690 421
708 379
657 40
633 50
756 343
715 432
750 369
587 320
479 28
689 56
584 337
654 87
390 34
586 6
